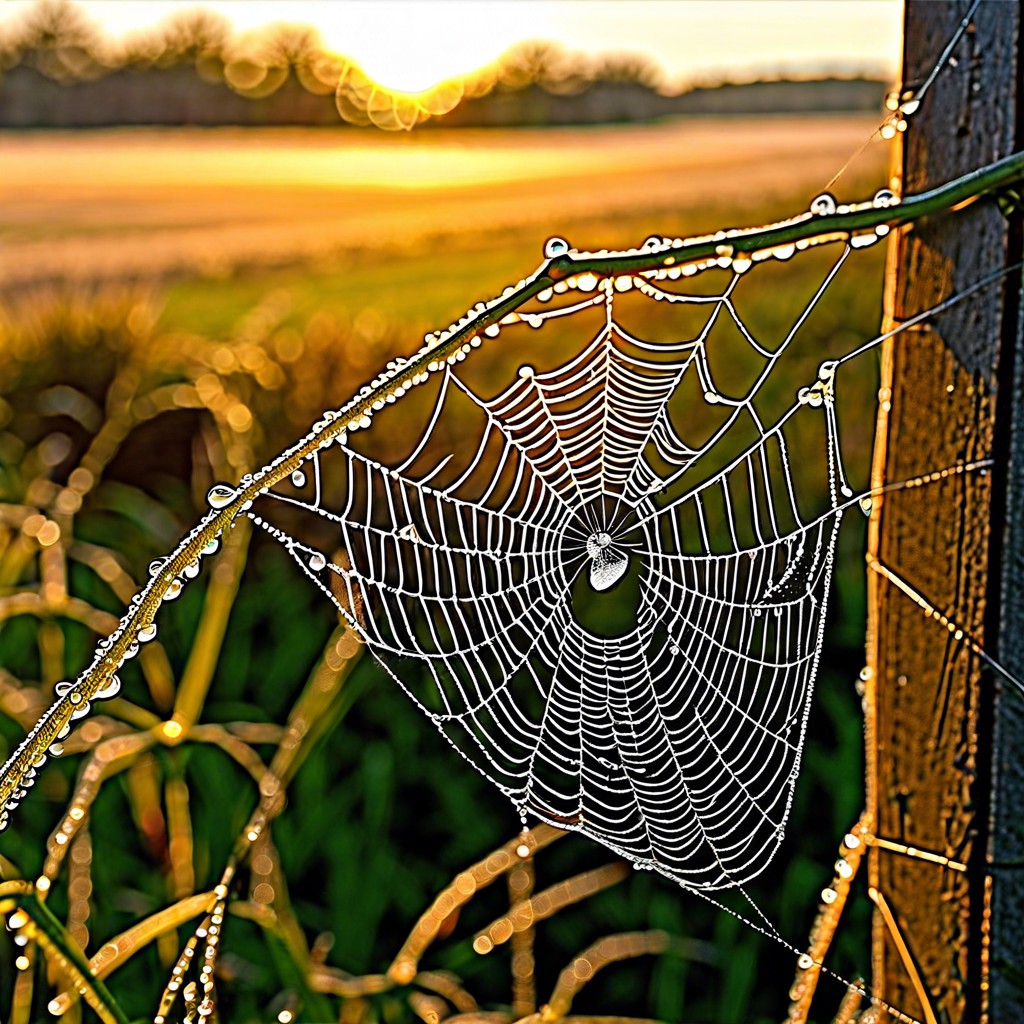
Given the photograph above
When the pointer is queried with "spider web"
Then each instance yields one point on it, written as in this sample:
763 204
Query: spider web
609 594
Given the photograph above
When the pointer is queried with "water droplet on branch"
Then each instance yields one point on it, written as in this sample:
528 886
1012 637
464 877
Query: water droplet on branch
824 205
555 247
220 496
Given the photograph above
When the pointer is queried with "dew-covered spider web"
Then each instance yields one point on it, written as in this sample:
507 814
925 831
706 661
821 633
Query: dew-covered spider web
595 543
607 584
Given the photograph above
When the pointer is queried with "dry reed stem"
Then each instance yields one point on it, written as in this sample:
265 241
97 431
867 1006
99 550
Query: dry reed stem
447 985
596 957
521 881
849 1007
334 982
454 896
36 923
326 680
117 951
834 896
225 579
238 750
529 912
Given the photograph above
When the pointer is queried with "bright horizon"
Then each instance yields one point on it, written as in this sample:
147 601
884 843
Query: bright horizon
411 45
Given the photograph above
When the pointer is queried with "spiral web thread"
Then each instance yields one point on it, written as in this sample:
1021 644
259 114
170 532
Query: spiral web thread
676 741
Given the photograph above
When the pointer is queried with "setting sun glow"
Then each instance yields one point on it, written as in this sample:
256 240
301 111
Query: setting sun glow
413 45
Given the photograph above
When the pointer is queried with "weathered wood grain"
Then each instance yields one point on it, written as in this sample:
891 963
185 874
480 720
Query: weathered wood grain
945 748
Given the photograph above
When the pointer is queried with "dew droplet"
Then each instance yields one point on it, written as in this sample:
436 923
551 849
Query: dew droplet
607 567
654 242
804 962
829 895
908 107
211 546
220 496
555 247
884 197
156 565
81 711
525 372
824 205
317 561
173 589
299 478
112 689
147 632
191 570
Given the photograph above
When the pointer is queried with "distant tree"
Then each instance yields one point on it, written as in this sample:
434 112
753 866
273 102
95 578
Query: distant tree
627 67
288 46
192 35
532 63
56 38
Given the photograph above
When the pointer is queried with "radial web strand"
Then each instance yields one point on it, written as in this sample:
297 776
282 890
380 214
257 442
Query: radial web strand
610 598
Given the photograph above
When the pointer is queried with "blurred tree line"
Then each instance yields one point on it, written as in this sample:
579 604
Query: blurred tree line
57 70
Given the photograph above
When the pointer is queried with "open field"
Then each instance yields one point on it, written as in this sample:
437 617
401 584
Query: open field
104 206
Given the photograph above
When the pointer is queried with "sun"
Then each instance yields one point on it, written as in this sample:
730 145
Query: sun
412 47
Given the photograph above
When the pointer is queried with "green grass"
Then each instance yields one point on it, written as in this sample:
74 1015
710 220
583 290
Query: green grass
414 292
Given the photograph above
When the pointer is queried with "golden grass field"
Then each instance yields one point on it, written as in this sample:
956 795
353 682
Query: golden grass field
106 205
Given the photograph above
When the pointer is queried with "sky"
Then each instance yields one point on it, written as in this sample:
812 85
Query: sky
413 44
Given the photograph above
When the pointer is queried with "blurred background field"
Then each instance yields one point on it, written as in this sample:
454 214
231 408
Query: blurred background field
149 204
177 305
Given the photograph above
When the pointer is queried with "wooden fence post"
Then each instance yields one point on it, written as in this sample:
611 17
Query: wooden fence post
945 741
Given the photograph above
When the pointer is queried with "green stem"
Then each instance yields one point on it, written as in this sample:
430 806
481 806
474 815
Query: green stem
808 226
53 934
805 228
